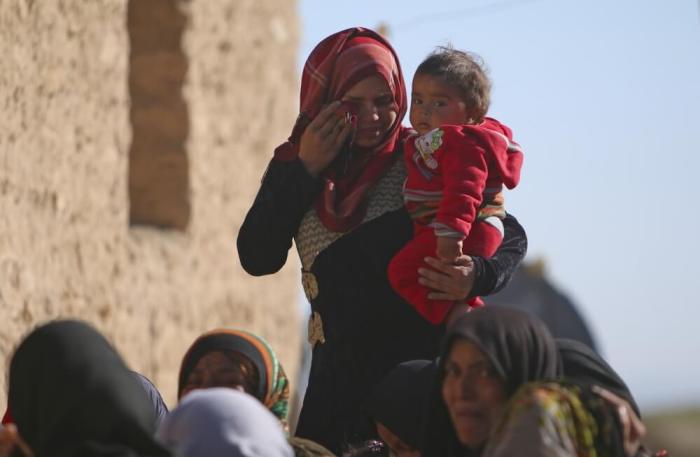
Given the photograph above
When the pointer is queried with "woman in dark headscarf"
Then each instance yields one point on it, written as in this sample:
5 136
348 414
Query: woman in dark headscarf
487 355
397 405
500 392
160 409
589 412
72 395
586 368
239 360
583 365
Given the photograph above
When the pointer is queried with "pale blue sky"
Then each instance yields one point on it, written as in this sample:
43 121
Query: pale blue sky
604 97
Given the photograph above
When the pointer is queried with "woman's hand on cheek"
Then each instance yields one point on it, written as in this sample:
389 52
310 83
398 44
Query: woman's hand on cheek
322 139
449 281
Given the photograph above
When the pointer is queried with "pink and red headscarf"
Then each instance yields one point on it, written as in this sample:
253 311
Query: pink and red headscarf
336 64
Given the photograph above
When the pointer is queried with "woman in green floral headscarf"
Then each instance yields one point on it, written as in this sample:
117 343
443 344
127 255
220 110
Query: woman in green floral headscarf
239 360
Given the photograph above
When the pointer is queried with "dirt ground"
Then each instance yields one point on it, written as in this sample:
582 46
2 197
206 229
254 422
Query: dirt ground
677 431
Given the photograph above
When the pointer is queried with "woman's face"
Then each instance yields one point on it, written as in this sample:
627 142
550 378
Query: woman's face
473 393
217 369
376 110
396 444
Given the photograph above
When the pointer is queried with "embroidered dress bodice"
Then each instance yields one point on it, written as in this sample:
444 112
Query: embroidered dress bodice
313 237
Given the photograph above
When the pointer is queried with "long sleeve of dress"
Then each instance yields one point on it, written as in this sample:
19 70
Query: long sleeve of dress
493 274
287 191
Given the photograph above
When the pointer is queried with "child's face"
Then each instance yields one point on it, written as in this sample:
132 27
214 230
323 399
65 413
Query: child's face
435 103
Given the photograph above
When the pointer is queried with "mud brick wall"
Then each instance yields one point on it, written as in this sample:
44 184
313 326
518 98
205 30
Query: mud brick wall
133 137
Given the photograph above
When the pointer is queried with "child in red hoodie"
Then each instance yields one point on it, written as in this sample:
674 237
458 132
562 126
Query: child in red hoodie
457 164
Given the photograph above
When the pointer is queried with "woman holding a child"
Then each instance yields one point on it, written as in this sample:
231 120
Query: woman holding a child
335 188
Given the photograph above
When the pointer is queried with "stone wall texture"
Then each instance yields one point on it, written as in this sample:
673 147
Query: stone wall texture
67 248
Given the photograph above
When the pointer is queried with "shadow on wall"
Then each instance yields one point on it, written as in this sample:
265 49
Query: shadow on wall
530 290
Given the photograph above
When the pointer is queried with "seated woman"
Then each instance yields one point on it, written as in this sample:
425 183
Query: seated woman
72 395
159 407
223 422
239 360
582 364
156 400
499 392
590 397
397 403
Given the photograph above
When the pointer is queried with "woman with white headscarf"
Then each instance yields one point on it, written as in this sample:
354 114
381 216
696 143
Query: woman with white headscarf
222 421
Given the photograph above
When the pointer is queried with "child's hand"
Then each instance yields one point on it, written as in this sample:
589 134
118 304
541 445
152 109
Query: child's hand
448 249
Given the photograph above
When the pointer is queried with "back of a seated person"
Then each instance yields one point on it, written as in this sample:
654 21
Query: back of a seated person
223 422
72 395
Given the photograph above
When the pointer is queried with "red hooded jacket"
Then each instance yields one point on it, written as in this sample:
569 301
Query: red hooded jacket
456 171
